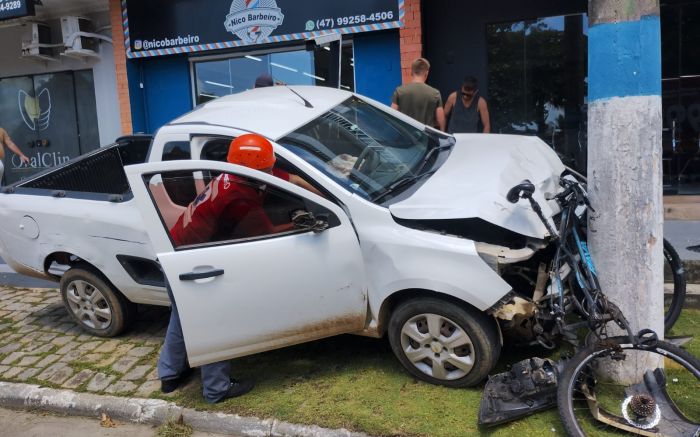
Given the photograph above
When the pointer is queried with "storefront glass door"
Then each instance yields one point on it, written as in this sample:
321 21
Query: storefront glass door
538 86
220 77
42 117
680 27
537 81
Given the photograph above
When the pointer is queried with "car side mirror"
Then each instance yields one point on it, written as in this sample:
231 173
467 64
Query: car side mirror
307 221
524 190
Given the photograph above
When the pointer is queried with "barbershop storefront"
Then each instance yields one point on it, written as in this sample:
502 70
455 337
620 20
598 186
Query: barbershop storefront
58 90
531 62
181 54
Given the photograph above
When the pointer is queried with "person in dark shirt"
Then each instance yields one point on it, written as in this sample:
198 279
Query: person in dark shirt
419 100
465 108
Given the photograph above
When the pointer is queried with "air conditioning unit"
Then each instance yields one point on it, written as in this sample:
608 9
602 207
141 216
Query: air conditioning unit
36 42
78 38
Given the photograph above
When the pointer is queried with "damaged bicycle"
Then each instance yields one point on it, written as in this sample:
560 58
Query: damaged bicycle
634 383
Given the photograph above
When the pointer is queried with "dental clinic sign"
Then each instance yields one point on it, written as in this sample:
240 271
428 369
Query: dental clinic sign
168 27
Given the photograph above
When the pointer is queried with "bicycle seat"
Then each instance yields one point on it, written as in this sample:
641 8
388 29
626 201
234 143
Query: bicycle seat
523 189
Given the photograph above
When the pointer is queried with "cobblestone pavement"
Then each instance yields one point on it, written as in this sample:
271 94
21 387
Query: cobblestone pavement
41 344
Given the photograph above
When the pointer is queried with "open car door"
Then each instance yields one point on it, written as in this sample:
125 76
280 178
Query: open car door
240 292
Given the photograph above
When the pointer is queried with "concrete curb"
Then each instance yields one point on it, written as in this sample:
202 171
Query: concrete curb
153 412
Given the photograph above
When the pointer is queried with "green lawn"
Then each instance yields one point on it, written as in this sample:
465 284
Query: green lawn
356 383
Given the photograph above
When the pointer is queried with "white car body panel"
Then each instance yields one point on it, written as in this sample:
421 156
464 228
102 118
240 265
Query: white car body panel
336 277
398 258
476 177
113 228
274 292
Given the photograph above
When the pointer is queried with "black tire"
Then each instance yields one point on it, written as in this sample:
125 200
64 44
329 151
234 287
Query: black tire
679 285
575 371
89 280
481 330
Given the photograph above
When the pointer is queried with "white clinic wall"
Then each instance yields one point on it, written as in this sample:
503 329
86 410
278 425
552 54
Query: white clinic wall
103 69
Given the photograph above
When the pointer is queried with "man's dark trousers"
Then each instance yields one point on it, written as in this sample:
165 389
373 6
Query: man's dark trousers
173 359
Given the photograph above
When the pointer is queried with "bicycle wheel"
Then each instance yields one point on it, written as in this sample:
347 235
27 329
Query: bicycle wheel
673 263
661 401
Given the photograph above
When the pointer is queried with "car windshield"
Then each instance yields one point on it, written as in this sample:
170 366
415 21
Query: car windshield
365 149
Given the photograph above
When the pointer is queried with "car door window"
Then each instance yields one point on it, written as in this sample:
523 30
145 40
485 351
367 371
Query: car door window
230 209
179 190
216 149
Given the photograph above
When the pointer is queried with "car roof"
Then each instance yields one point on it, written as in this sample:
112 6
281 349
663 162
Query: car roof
270 111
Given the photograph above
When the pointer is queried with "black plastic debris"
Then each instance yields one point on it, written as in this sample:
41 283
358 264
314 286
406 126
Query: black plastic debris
530 386
694 248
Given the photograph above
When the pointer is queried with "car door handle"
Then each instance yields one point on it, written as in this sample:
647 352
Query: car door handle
191 276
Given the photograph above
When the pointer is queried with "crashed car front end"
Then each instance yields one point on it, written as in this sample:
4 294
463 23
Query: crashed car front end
466 198
513 240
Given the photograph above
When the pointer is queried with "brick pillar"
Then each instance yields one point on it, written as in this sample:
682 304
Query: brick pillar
115 13
411 37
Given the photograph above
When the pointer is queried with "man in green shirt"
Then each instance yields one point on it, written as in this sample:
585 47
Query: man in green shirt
419 100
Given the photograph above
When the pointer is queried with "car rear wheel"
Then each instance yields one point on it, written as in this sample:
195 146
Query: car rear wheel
94 303
443 343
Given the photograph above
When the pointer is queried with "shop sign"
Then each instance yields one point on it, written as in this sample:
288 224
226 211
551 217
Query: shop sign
15 8
167 27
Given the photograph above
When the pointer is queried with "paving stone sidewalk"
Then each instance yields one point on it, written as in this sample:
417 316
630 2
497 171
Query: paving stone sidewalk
41 344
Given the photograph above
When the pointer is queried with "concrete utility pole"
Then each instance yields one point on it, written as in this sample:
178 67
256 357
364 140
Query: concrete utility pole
624 156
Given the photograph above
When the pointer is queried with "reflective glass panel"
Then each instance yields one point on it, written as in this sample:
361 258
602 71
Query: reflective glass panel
537 81
217 78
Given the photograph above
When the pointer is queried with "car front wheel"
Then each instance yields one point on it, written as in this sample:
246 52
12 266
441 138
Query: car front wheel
94 303
443 343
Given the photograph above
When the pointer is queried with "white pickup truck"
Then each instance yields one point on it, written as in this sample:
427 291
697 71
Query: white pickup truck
412 236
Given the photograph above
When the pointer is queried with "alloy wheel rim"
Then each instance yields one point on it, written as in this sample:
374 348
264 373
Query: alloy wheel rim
89 305
437 346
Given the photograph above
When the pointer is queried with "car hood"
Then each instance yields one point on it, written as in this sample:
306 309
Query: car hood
475 178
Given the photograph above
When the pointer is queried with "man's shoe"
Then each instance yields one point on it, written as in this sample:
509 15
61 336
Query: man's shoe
238 388
171 384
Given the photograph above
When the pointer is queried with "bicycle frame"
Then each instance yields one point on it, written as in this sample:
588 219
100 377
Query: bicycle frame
572 251
537 378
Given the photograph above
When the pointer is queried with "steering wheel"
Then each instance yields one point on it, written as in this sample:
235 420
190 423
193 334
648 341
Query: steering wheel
367 162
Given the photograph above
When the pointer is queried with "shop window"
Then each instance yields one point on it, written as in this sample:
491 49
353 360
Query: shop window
537 86
537 81
51 117
221 77
680 33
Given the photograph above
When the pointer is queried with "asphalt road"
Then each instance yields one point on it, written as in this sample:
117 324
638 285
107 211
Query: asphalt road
685 237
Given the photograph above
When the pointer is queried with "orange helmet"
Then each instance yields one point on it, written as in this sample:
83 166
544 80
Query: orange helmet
251 150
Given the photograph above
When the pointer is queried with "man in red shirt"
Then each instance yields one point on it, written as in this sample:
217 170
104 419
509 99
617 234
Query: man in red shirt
229 207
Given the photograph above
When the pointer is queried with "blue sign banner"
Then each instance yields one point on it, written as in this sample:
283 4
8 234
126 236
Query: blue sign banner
167 27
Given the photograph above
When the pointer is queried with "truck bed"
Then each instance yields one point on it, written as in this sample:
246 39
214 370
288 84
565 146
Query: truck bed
97 174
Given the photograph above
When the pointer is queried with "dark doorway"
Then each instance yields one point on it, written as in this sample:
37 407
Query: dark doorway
51 117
